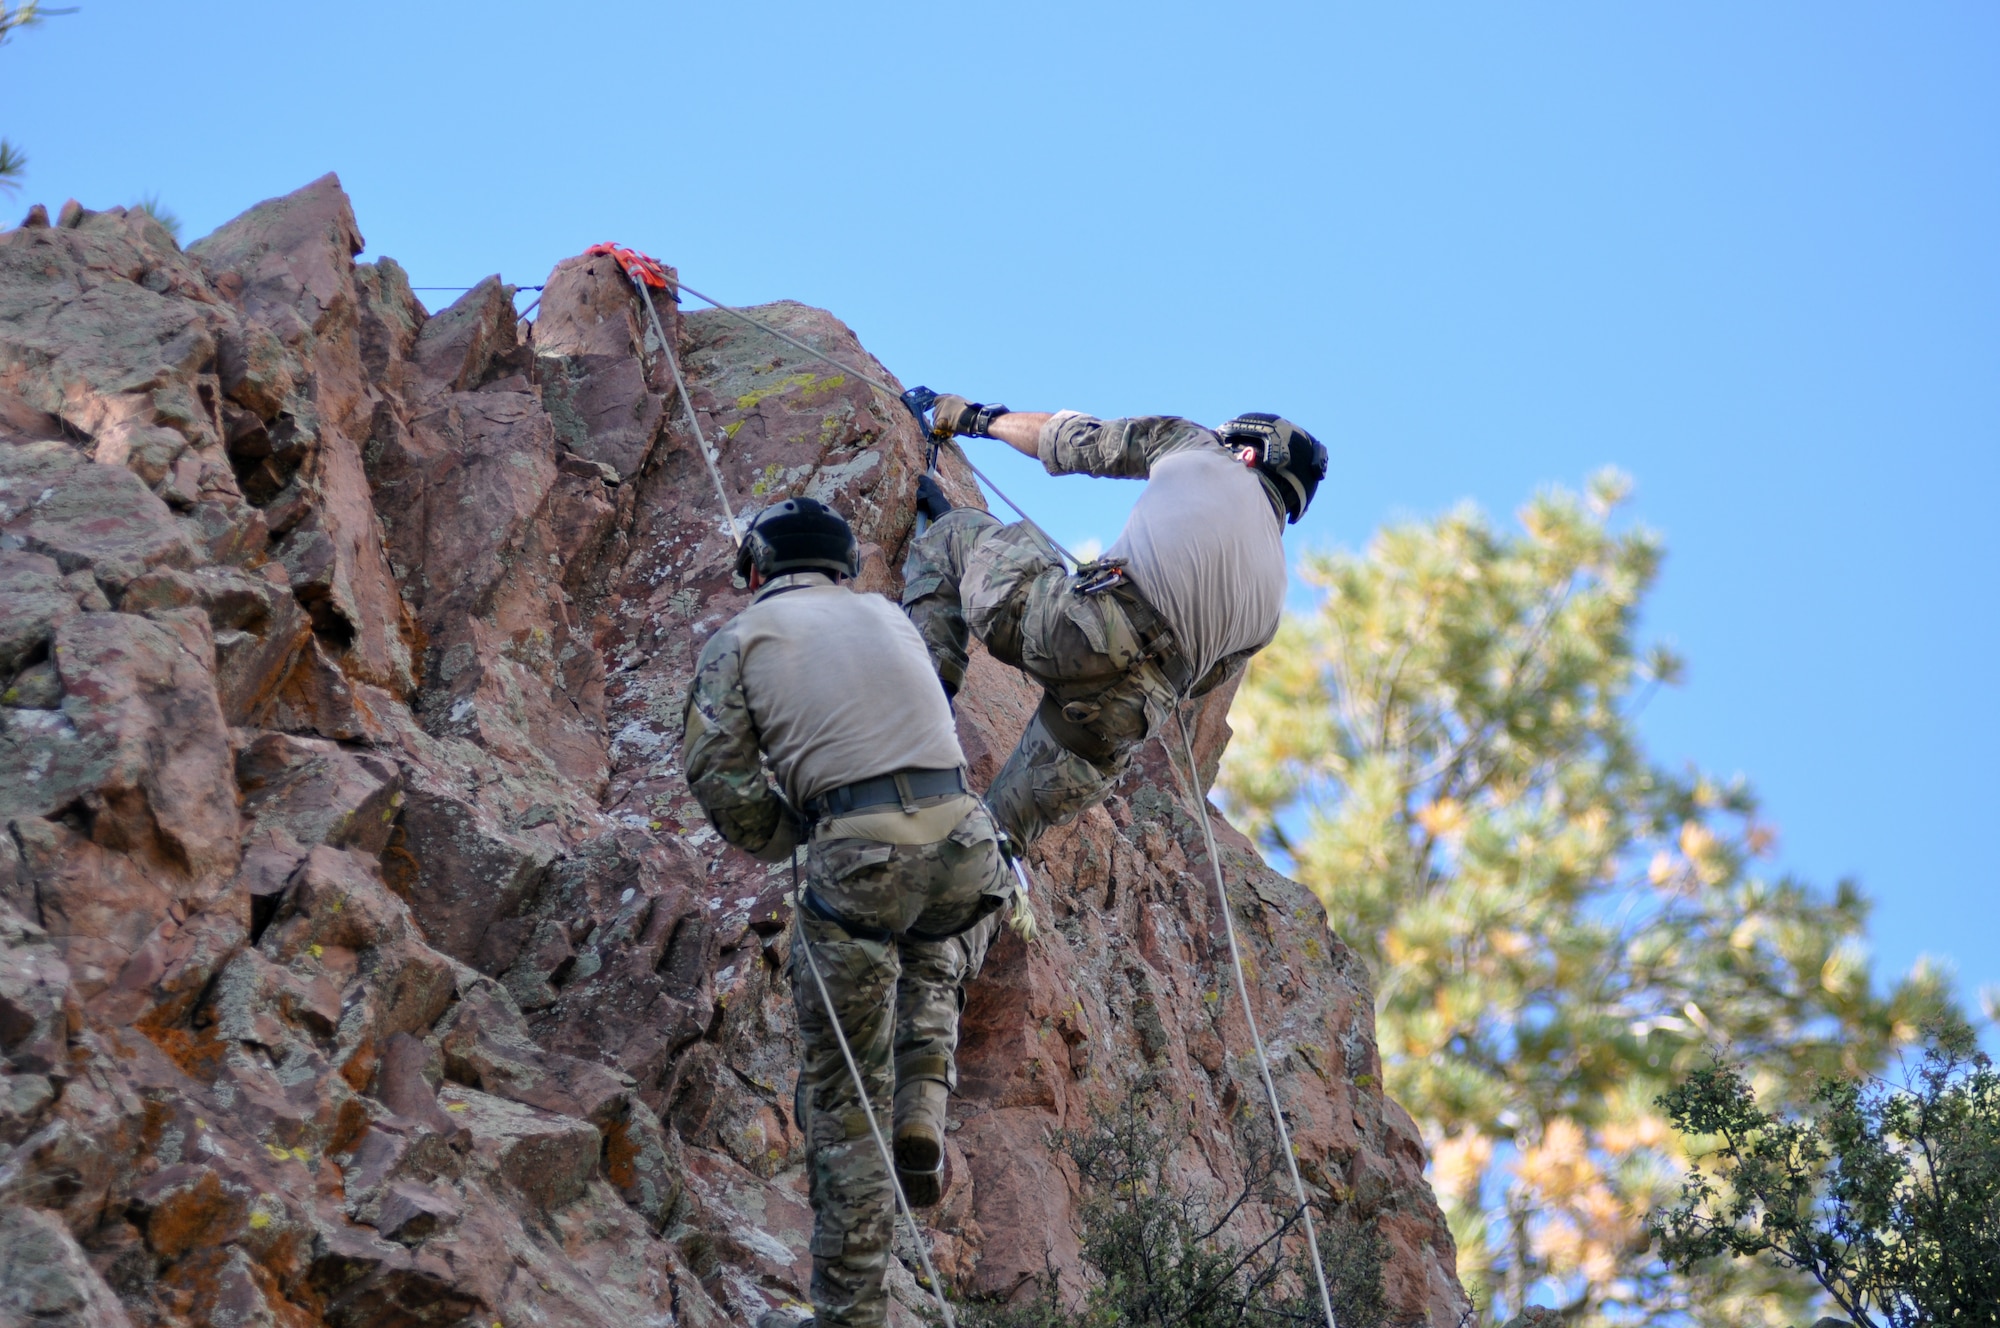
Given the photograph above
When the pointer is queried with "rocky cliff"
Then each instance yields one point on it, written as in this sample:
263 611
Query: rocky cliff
364 959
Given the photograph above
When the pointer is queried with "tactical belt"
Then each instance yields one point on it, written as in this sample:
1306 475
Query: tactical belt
901 789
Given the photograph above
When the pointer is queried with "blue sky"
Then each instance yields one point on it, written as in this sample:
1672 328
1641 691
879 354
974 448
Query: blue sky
1747 253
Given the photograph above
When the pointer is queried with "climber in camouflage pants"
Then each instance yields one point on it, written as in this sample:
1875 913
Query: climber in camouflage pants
1014 593
1177 606
832 693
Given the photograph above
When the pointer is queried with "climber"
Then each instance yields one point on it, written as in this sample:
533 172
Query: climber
1175 608
832 689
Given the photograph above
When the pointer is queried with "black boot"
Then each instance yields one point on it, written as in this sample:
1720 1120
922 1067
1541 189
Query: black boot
931 501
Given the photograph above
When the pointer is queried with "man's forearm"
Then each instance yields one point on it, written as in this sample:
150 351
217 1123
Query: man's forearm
1021 430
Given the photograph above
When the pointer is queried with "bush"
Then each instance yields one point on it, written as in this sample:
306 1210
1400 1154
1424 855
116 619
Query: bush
1161 1254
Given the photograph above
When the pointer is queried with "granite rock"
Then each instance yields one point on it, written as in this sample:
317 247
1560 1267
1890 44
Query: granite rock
364 958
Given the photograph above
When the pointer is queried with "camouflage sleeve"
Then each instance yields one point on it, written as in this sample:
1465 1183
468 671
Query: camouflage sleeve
1077 444
723 757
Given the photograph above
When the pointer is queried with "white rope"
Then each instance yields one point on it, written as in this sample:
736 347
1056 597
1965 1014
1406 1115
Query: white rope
861 1090
687 404
789 340
1074 561
879 386
1249 1016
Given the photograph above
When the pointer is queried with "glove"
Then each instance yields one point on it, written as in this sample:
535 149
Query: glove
1020 912
930 498
955 415
1021 917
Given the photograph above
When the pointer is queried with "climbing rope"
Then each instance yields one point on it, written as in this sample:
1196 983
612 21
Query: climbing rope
936 1288
879 386
1249 1016
646 274
687 406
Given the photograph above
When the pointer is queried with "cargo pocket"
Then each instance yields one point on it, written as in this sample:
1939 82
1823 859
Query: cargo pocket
979 859
1107 628
1000 578
851 877
1071 639
839 859
976 826
916 587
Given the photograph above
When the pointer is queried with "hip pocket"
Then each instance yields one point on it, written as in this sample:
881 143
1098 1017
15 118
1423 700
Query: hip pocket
838 859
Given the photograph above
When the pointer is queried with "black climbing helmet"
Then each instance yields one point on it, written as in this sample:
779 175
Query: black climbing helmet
798 535
1293 459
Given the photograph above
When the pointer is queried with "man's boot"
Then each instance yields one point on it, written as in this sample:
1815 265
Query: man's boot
931 502
919 1140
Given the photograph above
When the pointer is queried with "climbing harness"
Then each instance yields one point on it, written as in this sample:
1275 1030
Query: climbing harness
935 1287
1249 1016
647 275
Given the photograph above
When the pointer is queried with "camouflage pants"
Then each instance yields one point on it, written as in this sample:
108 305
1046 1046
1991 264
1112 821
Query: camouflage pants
898 1000
969 575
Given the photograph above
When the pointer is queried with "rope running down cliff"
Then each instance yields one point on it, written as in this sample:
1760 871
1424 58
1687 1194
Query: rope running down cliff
687 405
936 1287
1249 1015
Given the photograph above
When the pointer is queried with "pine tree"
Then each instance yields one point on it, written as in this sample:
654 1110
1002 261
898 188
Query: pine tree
1560 929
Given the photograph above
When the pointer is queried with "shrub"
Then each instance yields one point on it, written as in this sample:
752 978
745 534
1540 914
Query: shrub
1161 1253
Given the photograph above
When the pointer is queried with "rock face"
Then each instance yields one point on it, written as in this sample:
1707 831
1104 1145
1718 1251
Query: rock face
364 959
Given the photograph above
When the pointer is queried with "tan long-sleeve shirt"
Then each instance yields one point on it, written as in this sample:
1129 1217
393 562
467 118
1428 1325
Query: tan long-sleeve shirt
829 685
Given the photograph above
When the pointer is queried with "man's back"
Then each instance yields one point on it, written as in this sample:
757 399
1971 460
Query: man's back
1204 549
840 687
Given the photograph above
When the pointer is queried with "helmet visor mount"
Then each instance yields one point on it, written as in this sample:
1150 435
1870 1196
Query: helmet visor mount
1292 459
